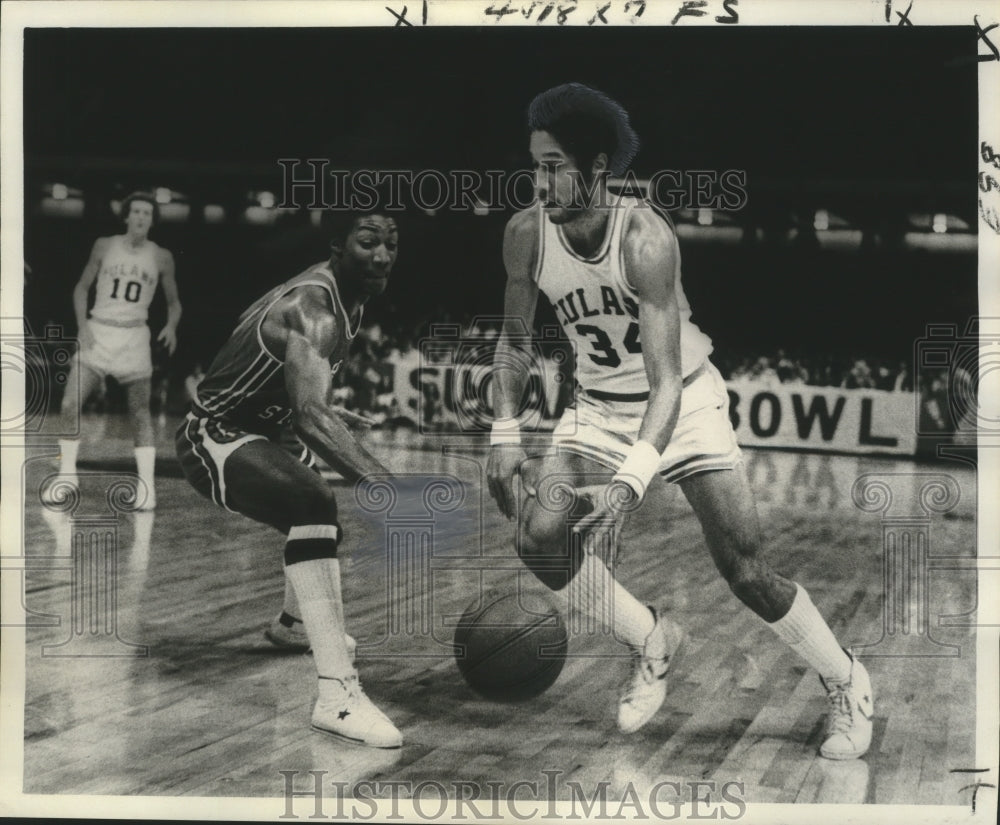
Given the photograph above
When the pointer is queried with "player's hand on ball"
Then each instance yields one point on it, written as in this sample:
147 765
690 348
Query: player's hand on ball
602 526
168 338
504 463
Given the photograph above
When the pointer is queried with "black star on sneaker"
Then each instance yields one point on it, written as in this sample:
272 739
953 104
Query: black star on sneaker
343 714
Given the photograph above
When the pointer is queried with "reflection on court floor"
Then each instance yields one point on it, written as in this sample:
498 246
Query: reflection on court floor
148 673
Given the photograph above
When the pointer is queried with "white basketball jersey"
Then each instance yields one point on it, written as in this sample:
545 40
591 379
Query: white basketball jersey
600 310
126 282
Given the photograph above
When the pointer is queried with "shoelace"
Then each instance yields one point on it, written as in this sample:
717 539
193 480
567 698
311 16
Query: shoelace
842 715
353 687
645 667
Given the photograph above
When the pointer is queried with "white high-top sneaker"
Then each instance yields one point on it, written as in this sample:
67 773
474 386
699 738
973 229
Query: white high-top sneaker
849 720
343 710
646 687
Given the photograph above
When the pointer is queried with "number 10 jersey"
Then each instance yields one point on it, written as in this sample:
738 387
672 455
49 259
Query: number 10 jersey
599 309
126 283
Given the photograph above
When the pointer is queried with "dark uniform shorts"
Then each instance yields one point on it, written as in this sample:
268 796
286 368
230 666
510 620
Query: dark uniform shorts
205 443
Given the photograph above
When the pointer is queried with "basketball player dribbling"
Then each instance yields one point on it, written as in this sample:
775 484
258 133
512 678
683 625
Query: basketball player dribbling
274 373
649 401
114 340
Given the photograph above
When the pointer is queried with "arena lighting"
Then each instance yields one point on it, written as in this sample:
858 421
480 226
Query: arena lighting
941 242
704 217
725 235
61 200
821 221
65 208
213 213
848 240
175 212
266 199
938 222
163 195
260 215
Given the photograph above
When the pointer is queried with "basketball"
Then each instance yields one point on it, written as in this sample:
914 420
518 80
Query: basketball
510 646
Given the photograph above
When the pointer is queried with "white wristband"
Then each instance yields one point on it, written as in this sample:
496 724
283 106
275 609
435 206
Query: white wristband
505 431
639 467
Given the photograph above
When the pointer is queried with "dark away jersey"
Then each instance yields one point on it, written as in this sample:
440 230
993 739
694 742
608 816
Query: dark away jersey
245 384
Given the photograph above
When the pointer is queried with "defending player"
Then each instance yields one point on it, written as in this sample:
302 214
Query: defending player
649 401
114 340
274 372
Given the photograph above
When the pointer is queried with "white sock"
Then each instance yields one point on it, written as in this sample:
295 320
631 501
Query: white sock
595 593
68 449
290 606
143 525
145 462
804 630
317 586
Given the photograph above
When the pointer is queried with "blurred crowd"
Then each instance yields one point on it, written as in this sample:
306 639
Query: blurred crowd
367 378
819 371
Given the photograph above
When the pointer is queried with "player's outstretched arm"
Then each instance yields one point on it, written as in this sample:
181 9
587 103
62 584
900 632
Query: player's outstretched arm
82 290
168 279
520 298
311 334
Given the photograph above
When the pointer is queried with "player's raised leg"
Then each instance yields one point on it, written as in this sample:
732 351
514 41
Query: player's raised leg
583 581
724 504
138 393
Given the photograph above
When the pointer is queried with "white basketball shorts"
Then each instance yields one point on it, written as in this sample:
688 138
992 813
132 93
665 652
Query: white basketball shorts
603 430
121 352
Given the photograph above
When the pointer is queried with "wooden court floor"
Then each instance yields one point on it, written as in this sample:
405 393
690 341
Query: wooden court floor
171 689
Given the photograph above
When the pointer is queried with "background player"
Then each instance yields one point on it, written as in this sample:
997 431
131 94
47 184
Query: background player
114 340
648 401
276 371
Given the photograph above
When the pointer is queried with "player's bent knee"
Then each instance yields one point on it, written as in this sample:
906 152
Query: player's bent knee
541 534
546 551
314 504
747 581
308 542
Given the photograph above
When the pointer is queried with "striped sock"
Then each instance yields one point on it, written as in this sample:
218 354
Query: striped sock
314 572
